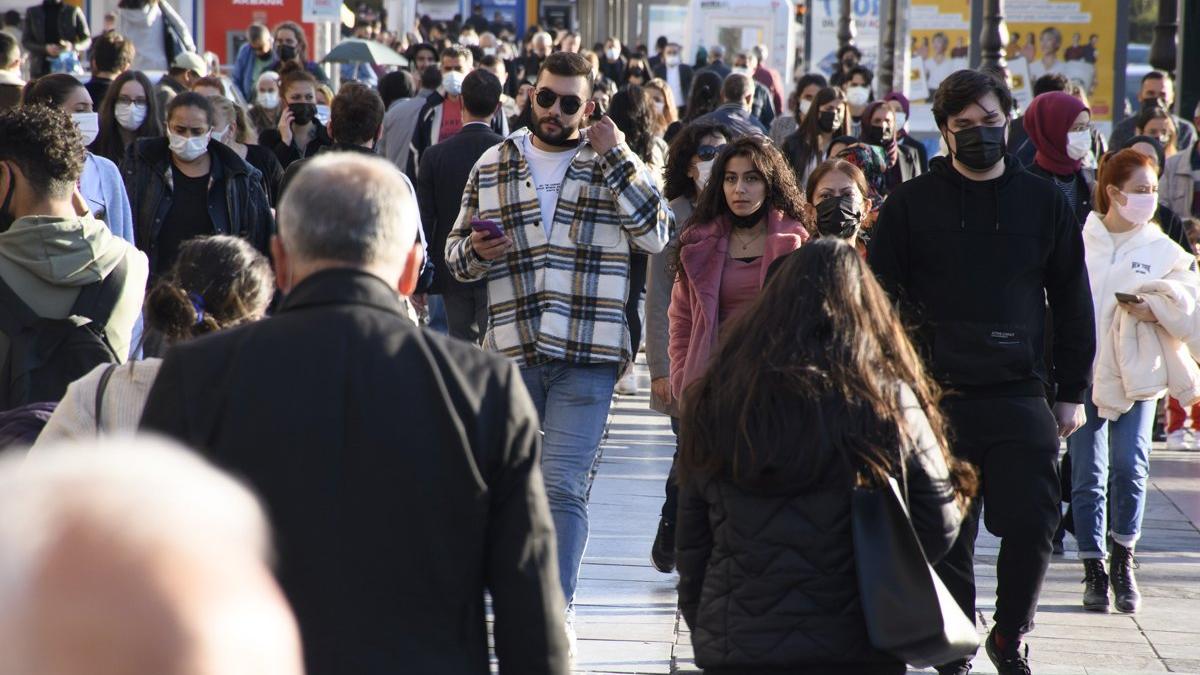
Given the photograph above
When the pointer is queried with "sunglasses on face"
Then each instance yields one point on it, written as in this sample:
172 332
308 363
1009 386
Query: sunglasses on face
707 152
568 104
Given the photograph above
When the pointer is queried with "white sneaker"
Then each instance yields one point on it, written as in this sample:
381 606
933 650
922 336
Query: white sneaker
628 384
1180 440
572 640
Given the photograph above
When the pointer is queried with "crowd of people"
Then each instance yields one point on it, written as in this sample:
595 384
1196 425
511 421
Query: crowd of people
399 311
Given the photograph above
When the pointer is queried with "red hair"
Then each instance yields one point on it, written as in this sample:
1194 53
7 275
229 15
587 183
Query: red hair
1115 169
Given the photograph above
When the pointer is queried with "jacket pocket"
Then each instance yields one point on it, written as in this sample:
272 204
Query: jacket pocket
972 353
595 222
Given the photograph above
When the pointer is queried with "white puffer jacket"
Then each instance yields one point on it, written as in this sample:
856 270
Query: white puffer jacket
1135 361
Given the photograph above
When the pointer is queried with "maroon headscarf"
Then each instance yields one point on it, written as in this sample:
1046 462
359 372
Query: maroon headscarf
1047 122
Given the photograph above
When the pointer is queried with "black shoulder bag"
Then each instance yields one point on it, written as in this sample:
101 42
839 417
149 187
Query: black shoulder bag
910 614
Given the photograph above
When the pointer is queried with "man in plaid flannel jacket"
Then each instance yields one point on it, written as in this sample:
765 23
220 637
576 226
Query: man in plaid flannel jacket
570 207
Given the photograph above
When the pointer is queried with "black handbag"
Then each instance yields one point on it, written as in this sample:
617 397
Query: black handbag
909 612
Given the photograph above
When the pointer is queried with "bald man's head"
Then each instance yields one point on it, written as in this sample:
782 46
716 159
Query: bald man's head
135 558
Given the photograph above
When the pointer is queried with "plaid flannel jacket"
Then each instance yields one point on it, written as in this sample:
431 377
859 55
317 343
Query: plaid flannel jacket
562 298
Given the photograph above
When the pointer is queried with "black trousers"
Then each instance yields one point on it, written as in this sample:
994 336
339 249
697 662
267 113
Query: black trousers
1013 442
466 313
670 507
637 286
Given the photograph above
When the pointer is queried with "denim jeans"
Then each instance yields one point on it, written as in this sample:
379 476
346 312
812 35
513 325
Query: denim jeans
436 306
1110 456
572 402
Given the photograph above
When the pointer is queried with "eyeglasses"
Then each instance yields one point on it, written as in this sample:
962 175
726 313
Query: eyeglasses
125 100
707 152
569 104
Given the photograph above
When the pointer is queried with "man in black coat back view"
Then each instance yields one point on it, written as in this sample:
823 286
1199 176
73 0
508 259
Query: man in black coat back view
399 468
441 181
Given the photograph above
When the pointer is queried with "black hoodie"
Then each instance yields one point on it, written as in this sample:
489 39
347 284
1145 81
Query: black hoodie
972 265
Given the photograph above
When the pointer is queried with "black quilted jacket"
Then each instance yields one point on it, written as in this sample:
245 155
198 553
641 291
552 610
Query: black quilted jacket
767 581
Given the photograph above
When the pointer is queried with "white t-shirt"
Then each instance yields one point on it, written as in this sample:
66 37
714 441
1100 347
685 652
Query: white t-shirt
548 169
675 82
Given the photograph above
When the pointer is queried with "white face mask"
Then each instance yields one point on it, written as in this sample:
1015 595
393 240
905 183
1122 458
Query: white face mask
805 105
268 99
672 60
1079 144
612 53
130 115
489 51
1139 208
703 172
660 107
901 120
323 114
219 135
452 82
89 126
740 71
188 149
858 96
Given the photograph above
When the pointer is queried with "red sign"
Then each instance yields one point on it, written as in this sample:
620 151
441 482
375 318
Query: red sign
225 23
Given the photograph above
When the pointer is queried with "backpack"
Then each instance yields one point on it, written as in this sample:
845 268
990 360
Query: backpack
45 355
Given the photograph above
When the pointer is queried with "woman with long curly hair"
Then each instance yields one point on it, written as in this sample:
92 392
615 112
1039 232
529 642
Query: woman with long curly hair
815 389
630 110
749 214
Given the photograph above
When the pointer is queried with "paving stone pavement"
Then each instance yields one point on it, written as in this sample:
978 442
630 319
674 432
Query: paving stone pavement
627 621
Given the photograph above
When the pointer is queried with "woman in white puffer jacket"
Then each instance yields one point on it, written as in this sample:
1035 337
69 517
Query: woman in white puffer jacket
1127 254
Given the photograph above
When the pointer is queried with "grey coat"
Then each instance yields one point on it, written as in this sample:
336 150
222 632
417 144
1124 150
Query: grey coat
660 281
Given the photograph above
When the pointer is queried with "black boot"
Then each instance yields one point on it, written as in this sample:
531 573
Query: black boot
662 554
1011 660
1095 590
1125 588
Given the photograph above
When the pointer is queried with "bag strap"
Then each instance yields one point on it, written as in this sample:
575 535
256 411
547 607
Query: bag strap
97 300
14 313
100 389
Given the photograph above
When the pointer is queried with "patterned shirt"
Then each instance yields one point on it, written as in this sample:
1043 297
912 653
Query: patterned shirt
561 297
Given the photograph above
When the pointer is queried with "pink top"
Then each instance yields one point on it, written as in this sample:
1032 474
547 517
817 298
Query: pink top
739 285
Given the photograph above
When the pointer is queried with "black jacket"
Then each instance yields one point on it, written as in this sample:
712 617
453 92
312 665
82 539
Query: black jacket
423 137
237 201
734 118
718 67
287 153
1084 183
918 147
443 175
72 27
763 107
767 576
400 472
972 265
685 80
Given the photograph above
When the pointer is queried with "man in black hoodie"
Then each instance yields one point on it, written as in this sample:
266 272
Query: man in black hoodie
972 252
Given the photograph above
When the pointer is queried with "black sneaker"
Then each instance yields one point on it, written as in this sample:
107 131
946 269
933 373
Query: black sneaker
662 554
1125 587
956 669
1011 661
1095 589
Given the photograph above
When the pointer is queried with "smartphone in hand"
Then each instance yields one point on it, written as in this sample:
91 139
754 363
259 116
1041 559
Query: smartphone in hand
1129 298
489 226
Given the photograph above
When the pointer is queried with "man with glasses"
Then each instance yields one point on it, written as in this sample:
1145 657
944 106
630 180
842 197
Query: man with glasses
565 211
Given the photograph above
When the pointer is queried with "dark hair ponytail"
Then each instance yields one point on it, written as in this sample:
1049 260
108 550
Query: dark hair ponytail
216 283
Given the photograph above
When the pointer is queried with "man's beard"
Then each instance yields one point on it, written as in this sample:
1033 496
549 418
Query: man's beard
562 139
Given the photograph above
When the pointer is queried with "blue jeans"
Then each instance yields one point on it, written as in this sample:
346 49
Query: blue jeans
572 402
1110 457
436 306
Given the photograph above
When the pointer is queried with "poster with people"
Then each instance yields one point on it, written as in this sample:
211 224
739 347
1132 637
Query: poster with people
1074 38
939 41
823 49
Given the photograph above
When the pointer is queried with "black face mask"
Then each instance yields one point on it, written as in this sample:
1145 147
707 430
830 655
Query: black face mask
979 148
874 135
303 113
1153 103
6 218
827 120
745 222
286 52
838 217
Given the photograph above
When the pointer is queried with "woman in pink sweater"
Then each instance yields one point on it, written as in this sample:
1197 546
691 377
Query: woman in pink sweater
749 214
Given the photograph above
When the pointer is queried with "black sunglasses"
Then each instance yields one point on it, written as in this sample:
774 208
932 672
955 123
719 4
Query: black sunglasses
707 152
568 104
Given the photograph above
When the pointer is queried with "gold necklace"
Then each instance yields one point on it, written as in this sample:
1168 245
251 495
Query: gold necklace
743 243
